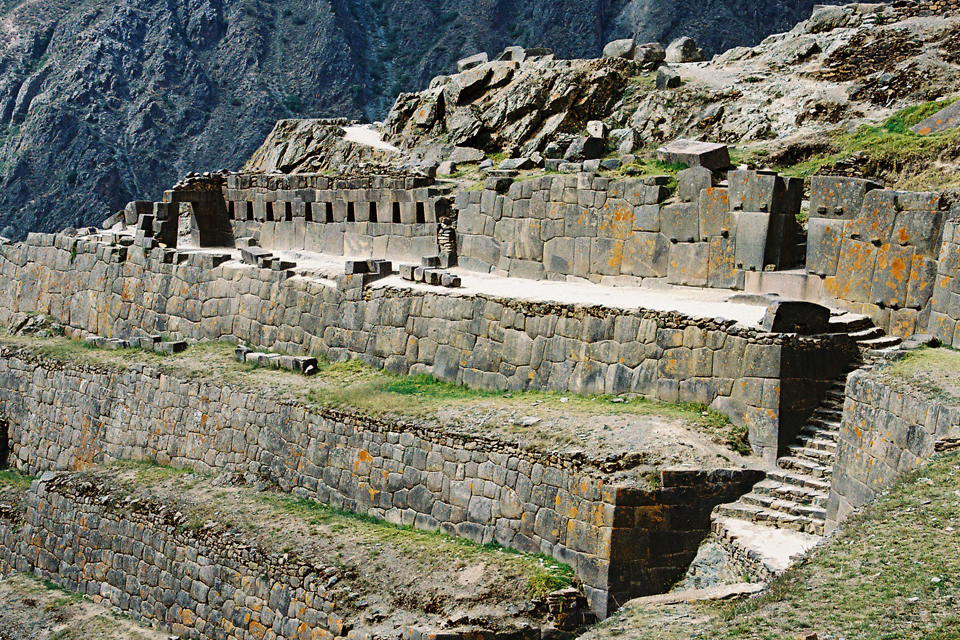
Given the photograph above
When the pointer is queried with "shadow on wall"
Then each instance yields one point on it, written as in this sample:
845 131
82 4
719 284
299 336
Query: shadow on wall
4 443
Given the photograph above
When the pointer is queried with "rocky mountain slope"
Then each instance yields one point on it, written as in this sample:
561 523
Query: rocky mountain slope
104 101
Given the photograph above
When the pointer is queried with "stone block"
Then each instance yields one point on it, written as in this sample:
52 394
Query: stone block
681 222
922 229
943 120
923 275
471 62
824 237
692 181
558 256
855 270
752 230
692 153
722 269
606 256
875 222
646 217
891 276
714 212
765 191
688 264
837 197
646 255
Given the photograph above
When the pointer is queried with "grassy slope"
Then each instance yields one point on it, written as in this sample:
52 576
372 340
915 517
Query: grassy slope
893 571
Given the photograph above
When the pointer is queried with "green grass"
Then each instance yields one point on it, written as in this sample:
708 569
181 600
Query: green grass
645 167
935 372
543 574
889 149
13 478
150 471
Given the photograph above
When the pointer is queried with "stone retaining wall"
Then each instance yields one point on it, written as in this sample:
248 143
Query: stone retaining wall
373 217
621 541
762 380
888 429
141 559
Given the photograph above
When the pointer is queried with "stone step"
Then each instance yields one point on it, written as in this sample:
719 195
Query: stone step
769 549
883 342
818 444
813 455
809 467
867 334
781 505
790 491
835 396
812 431
827 413
850 322
787 476
769 517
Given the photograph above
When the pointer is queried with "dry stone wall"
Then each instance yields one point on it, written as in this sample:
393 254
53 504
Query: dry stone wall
620 540
887 430
116 291
377 217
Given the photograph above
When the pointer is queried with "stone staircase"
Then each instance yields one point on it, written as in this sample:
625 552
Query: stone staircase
785 514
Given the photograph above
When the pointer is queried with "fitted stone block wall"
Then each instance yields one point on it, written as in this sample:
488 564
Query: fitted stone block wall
888 429
140 559
876 249
591 227
945 306
474 340
374 217
615 537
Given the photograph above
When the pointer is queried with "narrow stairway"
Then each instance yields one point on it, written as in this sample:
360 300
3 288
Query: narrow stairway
785 514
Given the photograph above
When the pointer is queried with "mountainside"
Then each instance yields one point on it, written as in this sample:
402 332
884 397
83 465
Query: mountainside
105 101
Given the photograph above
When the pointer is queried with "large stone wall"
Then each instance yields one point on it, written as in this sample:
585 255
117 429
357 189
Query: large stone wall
945 314
377 217
888 428
115 291
620 540
877 250
623 231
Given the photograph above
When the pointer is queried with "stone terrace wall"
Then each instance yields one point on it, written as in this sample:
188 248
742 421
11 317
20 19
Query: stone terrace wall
616 231
377 217
945 314
877 250
477 341
139 559
887 429
621 541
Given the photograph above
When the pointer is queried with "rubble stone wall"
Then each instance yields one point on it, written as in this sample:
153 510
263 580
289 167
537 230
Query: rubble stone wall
372 217
621 541
138 558
887 430
474 340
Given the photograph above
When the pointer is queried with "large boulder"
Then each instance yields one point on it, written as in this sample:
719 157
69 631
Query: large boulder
620 49
650 55
668 78
694 153
684 50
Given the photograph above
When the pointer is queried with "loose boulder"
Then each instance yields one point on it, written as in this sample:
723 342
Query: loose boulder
668 78
649 55
684 50
620 49
694 153
796 316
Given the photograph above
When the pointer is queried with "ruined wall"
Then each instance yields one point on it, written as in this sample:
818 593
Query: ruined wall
377 217
888 428
877 250
621 541
945 314
623 231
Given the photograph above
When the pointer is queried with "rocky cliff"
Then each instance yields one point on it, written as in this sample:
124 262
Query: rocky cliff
104 101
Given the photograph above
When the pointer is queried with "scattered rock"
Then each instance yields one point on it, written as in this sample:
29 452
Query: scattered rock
683 50
668 78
